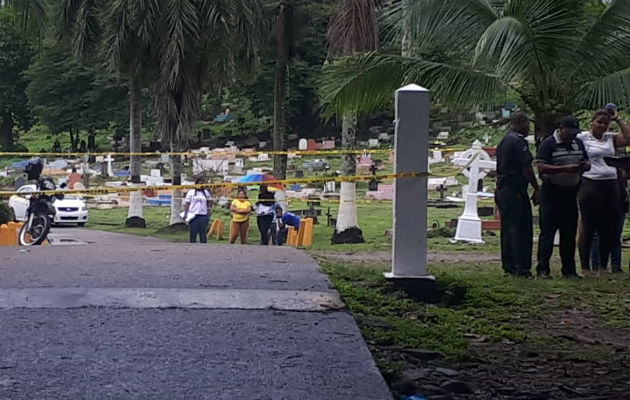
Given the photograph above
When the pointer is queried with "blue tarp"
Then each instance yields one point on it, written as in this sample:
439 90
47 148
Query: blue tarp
19 164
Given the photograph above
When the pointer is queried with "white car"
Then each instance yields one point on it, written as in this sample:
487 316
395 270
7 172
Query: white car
70 210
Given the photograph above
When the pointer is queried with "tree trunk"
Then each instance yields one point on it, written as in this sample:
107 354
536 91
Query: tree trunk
6 131
347 229
135 129
545 123
74 140
135 217
406 30
176 194
280 116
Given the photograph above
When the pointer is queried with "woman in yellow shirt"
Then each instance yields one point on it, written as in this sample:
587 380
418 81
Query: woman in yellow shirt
241 208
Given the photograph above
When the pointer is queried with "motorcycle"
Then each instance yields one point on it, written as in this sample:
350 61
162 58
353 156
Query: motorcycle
40 212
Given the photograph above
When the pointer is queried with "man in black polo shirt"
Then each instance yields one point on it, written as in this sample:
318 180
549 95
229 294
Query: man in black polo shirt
514 173
561 159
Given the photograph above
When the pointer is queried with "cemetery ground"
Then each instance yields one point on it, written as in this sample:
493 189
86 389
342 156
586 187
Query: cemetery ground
501 337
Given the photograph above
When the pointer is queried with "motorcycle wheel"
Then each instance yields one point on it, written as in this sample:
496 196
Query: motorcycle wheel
34 231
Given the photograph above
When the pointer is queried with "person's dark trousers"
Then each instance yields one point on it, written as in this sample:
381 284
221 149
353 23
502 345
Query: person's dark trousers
558 211
199 226
264 226
599 210
615 247
516 229
279 236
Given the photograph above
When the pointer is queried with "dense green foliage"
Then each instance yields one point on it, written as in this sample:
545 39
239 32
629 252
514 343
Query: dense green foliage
557 55
70 96
15 55
467 52
6 213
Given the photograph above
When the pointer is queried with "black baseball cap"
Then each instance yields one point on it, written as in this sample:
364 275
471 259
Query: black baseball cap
571 123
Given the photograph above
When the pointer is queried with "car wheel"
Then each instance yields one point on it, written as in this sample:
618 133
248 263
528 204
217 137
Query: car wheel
81 223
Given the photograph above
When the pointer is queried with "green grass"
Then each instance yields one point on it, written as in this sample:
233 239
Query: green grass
374 218
39 137
477 302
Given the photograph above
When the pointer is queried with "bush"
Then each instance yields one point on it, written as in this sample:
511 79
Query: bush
6 213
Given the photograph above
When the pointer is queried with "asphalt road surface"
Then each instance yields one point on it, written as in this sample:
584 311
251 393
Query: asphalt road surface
109 316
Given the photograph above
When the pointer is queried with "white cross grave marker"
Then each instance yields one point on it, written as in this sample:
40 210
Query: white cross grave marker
477 163
110 169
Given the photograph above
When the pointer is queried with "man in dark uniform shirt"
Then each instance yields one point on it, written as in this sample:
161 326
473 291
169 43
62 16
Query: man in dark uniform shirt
561 159
514 173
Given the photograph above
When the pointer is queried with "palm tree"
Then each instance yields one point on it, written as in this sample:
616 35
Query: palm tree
284 35
352 30
33 14
120 33
554 54
200 45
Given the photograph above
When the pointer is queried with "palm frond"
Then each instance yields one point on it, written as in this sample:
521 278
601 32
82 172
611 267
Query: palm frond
525 43
180 30
130 27
354 27
200 41
438 23
33 13
80 21
233 31
367 82
614 87
605 47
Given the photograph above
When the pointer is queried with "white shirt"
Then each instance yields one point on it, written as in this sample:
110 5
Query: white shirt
198 201
598 149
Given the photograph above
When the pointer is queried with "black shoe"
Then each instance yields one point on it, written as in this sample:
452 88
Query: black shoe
524 274
543 275
572 275
616 269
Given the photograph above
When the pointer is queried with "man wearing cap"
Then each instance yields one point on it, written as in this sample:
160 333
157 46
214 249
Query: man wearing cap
514 173
561 160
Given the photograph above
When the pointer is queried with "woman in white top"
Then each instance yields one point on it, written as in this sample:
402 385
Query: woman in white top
198 205
598 196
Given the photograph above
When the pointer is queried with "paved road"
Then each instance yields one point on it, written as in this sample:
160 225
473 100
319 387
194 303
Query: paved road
93 322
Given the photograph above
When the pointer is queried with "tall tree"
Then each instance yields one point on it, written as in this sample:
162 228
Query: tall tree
537 48
284 34
305 68
353 30
15 55
120 33
69 96
32 15
200 44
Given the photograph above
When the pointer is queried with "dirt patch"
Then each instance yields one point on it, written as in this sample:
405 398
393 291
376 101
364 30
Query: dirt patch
579 326
515 372
376 257
570 354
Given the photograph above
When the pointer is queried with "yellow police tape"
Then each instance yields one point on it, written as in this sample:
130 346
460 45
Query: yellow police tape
209 153
128 189
196 154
